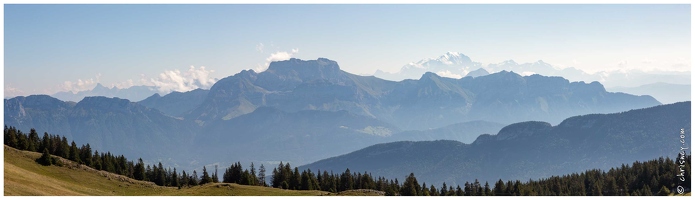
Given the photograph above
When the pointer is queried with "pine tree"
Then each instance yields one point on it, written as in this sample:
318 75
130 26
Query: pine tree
23 141
306 182
206 177
253 174
64 148
346 181
74 153
184 178
261 175
276 179
45 142
96 161
215 179
500 188
161 175
486 191
410 186
175 179
444 190
459 191
33 141
86 155
194 178
11 137
139 170
433 191
296 179
45 158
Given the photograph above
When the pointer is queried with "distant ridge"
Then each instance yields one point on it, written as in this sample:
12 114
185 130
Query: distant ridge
530 150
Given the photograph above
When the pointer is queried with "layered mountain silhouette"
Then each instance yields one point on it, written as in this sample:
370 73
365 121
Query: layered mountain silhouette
663 92
107 124
430 102
529 150
305 110
456 65
134 93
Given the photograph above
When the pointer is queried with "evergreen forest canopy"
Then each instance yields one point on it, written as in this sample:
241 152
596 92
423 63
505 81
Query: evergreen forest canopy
654 177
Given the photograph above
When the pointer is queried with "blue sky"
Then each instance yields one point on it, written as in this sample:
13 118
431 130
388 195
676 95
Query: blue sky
48 47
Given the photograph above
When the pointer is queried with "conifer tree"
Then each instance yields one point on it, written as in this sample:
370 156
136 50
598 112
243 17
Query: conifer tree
444 190
205 178
261 175
433 191
74 153
33 141
45 158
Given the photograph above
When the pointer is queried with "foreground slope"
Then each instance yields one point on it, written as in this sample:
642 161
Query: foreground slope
23 176
529 150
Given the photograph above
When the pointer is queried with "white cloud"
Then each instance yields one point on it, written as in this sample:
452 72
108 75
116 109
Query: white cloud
13 92
527 73
448 74
80 85
124 84
277 56
175 80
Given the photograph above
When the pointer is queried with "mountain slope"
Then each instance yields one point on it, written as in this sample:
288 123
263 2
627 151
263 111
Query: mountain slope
529 150
107 124
430 102
269 134
23 176
465 132
176 103
664 92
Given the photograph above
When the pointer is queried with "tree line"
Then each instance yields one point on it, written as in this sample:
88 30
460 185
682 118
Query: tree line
654 177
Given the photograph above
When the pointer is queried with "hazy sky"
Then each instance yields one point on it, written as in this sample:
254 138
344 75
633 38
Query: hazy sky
51 48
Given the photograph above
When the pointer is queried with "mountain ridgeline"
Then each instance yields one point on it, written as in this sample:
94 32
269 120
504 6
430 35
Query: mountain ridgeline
301 111
430 102
530 150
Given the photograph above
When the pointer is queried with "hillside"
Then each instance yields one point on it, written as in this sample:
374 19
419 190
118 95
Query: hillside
24 177
528 150
108 124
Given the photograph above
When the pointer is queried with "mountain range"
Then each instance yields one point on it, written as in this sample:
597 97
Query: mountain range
529 150
457 65
134 93
301 111
663 92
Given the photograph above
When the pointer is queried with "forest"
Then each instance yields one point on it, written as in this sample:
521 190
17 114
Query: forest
654 177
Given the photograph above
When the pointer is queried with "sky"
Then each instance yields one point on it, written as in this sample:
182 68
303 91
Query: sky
53 48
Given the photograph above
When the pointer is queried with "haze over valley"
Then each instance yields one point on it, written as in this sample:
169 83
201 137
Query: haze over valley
342 99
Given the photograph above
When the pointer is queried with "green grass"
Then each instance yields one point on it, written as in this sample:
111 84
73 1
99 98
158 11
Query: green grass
24 177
